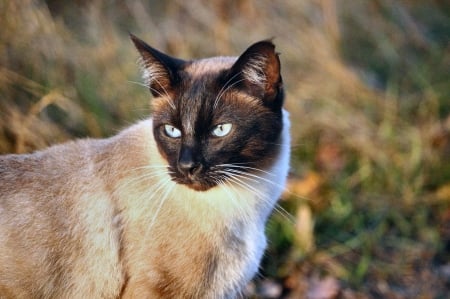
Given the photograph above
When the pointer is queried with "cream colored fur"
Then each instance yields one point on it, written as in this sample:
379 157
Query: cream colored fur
102 219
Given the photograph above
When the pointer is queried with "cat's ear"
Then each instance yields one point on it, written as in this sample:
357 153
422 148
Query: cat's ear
258 71
159 70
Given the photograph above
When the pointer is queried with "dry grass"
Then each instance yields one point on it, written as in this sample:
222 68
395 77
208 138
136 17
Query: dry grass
368 88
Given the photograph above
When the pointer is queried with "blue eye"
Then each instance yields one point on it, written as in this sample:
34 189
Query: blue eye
222 130
171 131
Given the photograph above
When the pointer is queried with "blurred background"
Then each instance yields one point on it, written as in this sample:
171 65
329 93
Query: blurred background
367 210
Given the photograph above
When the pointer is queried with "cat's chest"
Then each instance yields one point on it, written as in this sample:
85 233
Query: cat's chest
209 220
199 240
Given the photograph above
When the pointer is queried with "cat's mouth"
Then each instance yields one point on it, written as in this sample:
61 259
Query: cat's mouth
196 184
201 181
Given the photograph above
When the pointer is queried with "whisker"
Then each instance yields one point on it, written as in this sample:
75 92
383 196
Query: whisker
151 167
246 175
164 94
161 185
146 176
285 214
257 177
164 198
236 165
148 86
171 104
219 95
247 186
246 167
138 83
236 199
223 90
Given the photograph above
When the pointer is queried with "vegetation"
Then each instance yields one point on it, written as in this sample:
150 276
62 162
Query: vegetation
367 213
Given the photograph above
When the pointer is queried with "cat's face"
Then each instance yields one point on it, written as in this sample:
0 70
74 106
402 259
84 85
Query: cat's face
215 118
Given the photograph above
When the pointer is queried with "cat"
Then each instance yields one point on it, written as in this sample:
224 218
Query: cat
174 206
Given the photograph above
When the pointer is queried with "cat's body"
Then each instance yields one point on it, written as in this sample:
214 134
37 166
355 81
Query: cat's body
120 217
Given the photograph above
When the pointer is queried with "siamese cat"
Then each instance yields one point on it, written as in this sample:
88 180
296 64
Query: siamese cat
172 207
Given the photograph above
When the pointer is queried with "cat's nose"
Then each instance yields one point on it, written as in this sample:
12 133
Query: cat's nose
189 168
187 164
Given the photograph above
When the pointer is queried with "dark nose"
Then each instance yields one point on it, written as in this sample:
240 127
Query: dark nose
187 163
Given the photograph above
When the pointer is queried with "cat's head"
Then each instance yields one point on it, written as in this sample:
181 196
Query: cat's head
218 117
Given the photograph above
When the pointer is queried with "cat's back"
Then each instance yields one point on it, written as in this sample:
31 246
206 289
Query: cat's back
17 171
47 179
53 205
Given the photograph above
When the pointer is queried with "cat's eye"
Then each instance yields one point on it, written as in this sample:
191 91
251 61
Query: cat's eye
171 131
222 130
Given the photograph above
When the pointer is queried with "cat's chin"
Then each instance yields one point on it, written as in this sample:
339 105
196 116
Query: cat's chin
197 185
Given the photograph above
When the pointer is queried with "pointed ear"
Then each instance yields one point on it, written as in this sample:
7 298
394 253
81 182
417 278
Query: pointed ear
160 71
258 70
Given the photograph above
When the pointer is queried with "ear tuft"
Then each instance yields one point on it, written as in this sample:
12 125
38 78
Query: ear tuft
159 69
254 70
259 70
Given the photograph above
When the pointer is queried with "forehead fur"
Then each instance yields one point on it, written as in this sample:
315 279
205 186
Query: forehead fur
209 65
196 73
200 75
